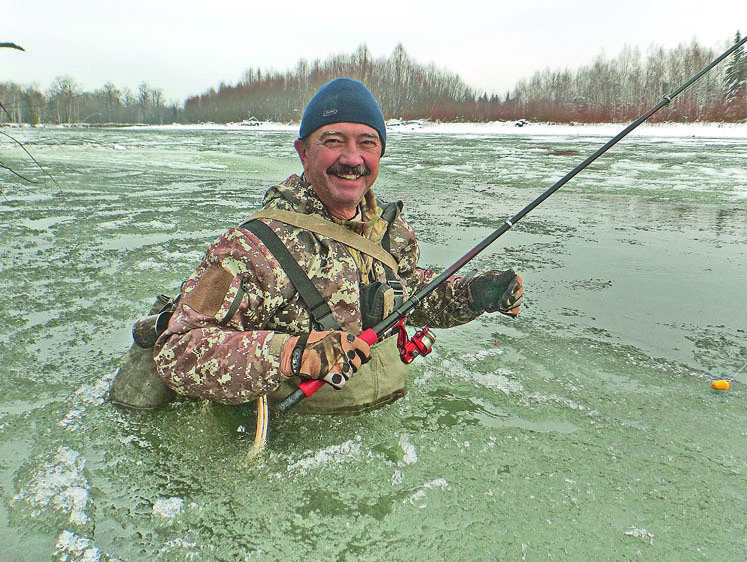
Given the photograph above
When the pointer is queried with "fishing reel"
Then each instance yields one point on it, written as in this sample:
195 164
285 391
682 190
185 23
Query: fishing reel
421 342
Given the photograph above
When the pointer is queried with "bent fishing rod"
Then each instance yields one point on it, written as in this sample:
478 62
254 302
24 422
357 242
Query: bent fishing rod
422 341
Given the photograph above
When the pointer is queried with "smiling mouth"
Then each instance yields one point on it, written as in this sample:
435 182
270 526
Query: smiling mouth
350 173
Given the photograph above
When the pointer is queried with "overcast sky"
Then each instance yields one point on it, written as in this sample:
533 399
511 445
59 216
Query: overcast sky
185 47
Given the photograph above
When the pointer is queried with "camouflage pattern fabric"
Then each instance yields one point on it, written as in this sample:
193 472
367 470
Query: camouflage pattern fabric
332 356
236 362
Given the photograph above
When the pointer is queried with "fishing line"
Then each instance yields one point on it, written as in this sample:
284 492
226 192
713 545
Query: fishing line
725 384
511 222
421 342
32 158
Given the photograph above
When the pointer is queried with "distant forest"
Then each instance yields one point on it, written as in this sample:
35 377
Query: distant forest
607 90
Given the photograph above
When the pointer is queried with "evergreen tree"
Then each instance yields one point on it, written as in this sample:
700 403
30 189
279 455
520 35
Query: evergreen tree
735 82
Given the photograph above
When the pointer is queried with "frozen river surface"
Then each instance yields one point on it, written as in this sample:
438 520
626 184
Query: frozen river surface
586 429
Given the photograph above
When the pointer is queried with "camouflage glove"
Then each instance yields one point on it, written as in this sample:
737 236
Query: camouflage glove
496 291
331 356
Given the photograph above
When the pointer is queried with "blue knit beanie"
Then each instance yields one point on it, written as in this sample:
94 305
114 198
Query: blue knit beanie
343 101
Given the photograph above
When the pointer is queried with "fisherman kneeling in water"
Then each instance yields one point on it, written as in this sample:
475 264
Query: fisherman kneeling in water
248 323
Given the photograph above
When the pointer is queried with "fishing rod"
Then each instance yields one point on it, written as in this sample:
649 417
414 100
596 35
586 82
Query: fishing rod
422 341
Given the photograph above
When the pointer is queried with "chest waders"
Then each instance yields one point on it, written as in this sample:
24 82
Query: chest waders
384 377
381 380
137 384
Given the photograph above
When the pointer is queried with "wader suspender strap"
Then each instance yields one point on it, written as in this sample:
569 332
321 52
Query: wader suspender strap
316 305
389 214
318 225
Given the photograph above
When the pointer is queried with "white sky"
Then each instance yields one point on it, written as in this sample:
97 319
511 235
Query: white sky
185 47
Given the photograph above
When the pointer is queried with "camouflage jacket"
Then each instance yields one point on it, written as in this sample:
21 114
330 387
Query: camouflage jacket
203 355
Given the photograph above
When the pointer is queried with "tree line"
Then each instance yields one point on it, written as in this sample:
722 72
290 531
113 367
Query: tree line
404 89
607 90
621 89
65 102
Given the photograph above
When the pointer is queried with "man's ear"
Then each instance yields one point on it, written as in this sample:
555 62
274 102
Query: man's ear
301 149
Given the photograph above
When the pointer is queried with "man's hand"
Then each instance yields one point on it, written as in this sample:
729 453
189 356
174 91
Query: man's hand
496 291
332 356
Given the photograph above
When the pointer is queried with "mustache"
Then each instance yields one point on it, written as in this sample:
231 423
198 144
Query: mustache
343 170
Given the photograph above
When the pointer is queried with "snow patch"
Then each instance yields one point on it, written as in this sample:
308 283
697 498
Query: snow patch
59 483
76 547
496 380
655 130
419 497
85 396
335 454
410 453
397 478
641 533
168 508
181 544
663 130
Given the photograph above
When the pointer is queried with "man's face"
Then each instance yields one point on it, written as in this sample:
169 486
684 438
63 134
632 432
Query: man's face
341 161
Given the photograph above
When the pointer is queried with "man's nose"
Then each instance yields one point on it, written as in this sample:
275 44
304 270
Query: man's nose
351 154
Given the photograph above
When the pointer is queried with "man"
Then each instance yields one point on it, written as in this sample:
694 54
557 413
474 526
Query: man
244 328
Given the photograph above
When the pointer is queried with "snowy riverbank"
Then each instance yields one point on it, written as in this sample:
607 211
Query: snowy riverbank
699 130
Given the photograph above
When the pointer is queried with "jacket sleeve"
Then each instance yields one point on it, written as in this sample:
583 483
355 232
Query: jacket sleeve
447 306
207 354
